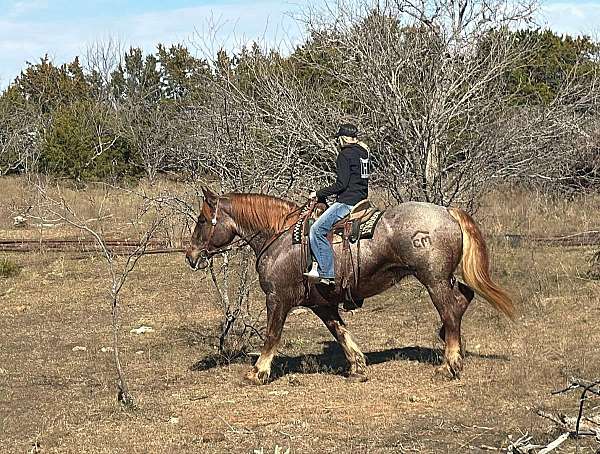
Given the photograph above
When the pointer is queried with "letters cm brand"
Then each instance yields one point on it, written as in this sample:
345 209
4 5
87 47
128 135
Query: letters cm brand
421 239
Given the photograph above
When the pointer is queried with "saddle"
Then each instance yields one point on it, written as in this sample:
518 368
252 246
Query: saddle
359 224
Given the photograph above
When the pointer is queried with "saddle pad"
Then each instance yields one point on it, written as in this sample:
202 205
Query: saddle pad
367 228
297 232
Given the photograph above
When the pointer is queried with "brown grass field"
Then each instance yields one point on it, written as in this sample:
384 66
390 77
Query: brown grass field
56 399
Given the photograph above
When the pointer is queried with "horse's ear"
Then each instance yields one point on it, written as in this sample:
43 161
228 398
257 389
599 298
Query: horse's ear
209 197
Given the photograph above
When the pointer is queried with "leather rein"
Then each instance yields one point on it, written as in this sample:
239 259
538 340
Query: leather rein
207 255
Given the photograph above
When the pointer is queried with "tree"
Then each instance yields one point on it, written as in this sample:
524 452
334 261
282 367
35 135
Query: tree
49 87
148 217
183 77
426 81
551 62
19 131
81 144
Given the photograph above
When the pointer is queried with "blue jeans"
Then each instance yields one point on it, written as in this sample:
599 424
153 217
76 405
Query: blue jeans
319 245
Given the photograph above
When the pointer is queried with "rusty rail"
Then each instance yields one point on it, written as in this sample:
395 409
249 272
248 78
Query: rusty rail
83 245
590 238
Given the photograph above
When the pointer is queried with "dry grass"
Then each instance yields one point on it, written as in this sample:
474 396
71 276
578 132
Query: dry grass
64 400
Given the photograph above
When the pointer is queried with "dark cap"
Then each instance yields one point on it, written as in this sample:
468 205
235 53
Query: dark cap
347 130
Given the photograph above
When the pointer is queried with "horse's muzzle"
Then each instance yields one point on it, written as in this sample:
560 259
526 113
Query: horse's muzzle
196 259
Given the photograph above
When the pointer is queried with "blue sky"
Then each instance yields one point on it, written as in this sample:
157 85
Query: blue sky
62 29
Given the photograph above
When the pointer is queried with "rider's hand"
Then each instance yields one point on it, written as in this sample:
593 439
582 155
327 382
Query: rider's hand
313 195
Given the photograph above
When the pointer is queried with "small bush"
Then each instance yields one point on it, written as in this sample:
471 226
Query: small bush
8 268
594 272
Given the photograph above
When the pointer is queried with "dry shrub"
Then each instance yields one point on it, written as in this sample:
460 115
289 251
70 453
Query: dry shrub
594 272
8 268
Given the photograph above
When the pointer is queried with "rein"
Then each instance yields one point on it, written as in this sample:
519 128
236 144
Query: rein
210 254
274 238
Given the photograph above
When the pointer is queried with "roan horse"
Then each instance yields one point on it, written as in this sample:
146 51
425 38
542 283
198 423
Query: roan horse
419 239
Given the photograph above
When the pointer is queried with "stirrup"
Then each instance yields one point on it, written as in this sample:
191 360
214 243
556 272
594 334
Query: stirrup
327 281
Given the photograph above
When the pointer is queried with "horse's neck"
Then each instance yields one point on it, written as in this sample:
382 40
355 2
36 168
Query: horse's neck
254 236
258 240
256 233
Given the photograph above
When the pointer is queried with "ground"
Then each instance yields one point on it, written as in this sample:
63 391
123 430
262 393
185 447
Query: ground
56 396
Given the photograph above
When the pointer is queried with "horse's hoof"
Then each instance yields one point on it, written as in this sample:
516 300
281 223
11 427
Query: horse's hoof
444 371
357 378
253 377
448 372
455 365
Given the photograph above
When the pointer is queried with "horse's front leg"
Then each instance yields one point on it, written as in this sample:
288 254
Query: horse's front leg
277 312
331 317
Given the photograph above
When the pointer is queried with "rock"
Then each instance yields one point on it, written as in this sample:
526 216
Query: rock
278 393
173 420
299 311
212 437
106 349
79 348
142 330
20 221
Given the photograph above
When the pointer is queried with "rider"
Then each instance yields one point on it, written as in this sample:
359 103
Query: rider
350 187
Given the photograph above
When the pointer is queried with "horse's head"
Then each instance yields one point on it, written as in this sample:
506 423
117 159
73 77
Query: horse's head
214 229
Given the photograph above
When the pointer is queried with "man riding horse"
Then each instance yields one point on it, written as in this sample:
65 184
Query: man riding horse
350 187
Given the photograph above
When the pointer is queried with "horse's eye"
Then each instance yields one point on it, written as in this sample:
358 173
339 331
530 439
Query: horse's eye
201 220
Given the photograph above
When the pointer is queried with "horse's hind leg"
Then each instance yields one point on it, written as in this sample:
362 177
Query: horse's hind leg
451 303
331 317
276 315
464 294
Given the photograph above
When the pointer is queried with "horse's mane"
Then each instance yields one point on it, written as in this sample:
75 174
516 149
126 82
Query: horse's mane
263 212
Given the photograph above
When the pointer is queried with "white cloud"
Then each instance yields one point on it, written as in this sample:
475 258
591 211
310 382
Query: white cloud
209 27
572 18
25 7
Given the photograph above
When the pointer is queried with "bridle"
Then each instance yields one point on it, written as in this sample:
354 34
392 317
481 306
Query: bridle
205 253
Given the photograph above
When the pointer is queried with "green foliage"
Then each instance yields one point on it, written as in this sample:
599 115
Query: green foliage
81 145
49 87
137 78
550 60
8 268
182 76
314 64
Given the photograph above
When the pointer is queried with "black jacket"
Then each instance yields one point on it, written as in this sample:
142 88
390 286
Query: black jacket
352 182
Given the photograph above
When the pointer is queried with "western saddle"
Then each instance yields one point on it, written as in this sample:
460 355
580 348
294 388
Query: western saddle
350 227
358 224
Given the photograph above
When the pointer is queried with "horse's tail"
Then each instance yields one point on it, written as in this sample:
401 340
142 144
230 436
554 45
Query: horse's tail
476 264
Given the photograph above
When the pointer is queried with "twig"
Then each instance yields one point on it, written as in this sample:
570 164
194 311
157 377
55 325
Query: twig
555 444
582 399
